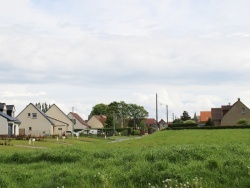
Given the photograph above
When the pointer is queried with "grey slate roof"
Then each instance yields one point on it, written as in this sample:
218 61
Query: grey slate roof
1 106
9 118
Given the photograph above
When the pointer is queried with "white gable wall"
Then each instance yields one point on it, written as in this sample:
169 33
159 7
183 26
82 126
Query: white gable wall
56 113
39 125
95 123
78 124
3 125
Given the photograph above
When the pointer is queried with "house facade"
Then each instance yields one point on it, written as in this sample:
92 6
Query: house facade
62 121
162 124
97 121
34 122
236 112
79 123
9 125
229 115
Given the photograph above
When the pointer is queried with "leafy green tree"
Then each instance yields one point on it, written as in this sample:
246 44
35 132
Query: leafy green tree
242 121
185 116
137 113
209 122
120 113
99 109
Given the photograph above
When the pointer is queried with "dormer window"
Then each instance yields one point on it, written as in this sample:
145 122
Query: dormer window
243 111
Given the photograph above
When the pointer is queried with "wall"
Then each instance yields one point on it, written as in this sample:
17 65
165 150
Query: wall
95 123
39 124
234 114
3 125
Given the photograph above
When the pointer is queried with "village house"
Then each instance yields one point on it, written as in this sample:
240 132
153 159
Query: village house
9 125
229 115
97 121
79 123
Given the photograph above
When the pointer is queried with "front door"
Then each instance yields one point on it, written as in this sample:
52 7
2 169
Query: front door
9 129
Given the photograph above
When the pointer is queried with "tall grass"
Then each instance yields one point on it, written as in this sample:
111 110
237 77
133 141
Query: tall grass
179 156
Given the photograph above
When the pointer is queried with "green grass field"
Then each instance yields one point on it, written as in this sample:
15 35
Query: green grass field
194 158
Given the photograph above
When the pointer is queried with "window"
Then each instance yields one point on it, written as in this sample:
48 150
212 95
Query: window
243 111
30 128
34 115
59 129
28 114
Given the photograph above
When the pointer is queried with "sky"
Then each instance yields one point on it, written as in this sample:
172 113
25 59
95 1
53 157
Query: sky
76 54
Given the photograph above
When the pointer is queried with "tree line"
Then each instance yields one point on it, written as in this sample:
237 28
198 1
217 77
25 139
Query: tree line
121 114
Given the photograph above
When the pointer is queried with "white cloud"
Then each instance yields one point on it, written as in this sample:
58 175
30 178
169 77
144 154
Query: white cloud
81 53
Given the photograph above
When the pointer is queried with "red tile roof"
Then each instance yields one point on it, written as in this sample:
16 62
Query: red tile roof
80 119
150 121
101 118
205 115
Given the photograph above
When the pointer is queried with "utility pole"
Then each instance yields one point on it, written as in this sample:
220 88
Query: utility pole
167 113
114 122
72 135
157 112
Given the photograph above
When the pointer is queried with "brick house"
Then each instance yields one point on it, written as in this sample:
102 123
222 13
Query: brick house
229 115
204 116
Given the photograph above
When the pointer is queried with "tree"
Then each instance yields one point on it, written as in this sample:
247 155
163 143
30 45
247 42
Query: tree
185 116
209 122
43 106
195 117
99 109
121 111
137 113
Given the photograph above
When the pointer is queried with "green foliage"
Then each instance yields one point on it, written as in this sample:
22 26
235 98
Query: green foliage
190 122
195 117
177 121
120 113
185 116
44 106
209 122
136 132
243 121
99 109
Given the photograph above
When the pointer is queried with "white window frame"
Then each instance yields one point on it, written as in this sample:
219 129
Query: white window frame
34 115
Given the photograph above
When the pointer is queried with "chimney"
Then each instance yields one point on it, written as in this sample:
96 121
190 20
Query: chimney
238 99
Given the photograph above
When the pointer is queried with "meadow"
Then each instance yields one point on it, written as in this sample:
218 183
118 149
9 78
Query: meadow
183 158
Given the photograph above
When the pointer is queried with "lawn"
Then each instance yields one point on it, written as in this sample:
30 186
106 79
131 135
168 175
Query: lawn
207 158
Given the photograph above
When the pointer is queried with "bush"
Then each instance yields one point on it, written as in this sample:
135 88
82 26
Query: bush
136 132
124 133
184 125
190 122
151 130
242 121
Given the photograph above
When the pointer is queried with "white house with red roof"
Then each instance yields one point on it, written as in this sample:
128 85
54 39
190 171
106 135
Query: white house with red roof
79 123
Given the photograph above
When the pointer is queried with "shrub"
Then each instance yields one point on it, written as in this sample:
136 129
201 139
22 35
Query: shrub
136 132
124 133
242 121
190 122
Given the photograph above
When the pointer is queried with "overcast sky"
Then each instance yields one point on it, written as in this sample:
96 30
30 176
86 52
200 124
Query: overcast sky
194 54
